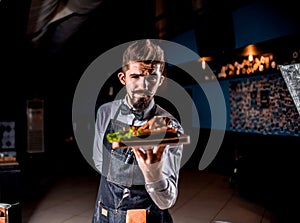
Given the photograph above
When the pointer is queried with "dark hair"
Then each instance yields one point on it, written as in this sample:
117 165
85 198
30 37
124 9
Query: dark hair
144 51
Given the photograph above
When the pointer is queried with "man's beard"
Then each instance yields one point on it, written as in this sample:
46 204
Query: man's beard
141 104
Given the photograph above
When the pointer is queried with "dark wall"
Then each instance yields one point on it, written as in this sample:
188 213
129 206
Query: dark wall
264 20
214 32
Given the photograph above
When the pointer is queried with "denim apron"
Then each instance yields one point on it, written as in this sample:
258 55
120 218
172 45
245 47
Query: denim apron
122 185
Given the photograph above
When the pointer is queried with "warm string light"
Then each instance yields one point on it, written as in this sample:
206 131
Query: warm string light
203 64
250 61
203 61
250 57
249 65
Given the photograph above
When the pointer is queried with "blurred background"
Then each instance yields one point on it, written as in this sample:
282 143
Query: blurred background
46 45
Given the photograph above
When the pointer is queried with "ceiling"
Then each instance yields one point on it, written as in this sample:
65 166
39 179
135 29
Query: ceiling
182 14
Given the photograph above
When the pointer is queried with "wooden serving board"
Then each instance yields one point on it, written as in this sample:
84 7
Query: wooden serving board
182 139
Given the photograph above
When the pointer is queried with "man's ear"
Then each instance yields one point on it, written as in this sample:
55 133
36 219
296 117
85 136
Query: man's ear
121 77
162 78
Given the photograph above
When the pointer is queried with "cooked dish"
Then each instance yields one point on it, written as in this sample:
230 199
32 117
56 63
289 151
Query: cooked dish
158 131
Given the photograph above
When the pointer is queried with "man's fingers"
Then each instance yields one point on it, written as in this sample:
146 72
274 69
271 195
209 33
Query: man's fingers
149 153
115 145
139 153
159 152
148 156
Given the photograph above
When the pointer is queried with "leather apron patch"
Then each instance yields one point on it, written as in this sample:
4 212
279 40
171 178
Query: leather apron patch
136 216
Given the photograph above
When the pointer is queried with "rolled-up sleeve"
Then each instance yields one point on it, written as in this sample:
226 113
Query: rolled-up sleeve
164 192
102 120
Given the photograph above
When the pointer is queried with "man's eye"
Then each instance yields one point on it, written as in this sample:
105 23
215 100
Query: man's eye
135 76
152 78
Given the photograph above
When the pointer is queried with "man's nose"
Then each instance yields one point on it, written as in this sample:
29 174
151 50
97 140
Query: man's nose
143 82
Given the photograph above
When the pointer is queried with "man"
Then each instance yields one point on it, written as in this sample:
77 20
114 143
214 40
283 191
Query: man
138 184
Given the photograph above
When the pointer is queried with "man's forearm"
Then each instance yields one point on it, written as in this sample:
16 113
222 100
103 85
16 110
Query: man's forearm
163 193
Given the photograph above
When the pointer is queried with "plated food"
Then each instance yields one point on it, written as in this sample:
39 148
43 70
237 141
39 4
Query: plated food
157 131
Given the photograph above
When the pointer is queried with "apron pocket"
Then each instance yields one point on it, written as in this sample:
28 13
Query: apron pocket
119 172
109 215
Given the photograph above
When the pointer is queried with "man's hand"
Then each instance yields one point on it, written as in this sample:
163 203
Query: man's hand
150 162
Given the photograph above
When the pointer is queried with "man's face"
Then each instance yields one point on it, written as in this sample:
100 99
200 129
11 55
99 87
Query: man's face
141 81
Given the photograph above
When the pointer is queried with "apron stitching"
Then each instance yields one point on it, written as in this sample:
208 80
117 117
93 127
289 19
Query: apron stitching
110 163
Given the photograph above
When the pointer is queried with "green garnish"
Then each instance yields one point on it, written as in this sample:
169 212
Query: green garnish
123 135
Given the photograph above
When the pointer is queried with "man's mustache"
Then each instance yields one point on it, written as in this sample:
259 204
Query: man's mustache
145 92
